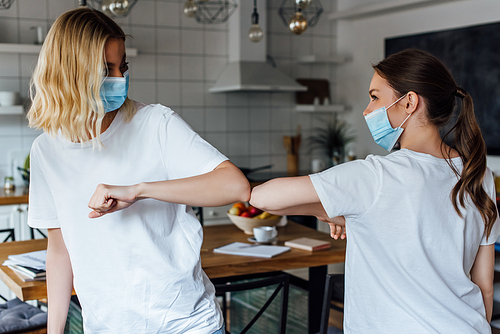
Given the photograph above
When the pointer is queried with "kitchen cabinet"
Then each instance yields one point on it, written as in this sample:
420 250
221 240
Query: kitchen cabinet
14 213
16 217
216 215
7 220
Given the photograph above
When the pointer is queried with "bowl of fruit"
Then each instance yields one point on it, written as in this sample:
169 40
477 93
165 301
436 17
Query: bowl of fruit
247 217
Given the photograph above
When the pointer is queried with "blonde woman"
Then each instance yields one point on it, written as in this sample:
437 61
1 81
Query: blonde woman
137 270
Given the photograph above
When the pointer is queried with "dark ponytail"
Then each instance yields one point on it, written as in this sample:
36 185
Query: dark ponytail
419 71
469 143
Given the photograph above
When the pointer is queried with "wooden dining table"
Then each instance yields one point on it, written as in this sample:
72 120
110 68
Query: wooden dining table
218 265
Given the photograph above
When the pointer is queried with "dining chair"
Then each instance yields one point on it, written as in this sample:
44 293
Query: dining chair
334 295
9 234
282 283
32 233
19 317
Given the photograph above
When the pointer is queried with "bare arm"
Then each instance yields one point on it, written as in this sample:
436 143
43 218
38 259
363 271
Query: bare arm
288 196
482 275
295 196
59 281
224 185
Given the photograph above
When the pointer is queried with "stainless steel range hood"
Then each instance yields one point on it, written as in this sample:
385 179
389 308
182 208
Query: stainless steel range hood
248 69
254 76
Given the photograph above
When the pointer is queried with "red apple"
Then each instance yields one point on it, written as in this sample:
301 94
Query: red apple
246 214
254 211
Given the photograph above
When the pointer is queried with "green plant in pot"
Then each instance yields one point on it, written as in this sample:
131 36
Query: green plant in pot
331 140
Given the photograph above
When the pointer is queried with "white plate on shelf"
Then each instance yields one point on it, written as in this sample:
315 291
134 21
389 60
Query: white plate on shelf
269 242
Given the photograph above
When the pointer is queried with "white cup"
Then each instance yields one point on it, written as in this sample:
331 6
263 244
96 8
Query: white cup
265 233
317 165
9 98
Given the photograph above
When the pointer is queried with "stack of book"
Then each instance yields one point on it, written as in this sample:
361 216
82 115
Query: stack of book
28 266
308 244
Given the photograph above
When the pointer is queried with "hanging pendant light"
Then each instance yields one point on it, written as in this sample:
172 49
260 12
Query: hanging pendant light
210 11
298 23
298 15
302 4
255 33
114 8
5 4
190 8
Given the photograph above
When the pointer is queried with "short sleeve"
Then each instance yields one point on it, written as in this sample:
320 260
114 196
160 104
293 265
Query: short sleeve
489 186
348 189
184 152
42 210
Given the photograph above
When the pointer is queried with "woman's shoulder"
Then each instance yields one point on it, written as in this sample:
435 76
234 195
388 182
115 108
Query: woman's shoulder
152 113
153 109
44 140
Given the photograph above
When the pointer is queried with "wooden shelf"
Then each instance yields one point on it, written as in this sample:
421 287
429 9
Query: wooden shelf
311 108
35 49
11 110
314 59
382 8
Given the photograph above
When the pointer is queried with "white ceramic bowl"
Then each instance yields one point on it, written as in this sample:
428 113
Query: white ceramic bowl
247 224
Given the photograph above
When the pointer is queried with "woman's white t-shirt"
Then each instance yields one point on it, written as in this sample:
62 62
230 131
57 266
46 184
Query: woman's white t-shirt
137 270
409 254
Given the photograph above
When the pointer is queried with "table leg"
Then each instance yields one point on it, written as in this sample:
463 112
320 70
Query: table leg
317 278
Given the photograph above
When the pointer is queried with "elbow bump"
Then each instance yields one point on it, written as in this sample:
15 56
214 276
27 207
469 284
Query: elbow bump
240 190
256 199
245 192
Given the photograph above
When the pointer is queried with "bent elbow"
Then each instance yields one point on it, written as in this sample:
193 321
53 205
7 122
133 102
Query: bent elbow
257 199
239 188
244 191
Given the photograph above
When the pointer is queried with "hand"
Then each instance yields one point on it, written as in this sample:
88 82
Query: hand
108 199
337 226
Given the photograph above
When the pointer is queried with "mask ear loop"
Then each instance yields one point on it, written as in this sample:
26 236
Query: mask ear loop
404 121
396 101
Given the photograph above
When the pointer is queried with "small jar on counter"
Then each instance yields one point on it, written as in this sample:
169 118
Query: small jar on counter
8 183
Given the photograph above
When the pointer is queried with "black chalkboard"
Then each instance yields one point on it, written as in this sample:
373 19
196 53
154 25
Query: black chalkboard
472 54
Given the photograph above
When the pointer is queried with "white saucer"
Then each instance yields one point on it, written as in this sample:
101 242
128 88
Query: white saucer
252 239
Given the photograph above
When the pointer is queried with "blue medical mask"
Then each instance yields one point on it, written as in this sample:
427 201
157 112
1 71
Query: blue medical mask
114 91
380 127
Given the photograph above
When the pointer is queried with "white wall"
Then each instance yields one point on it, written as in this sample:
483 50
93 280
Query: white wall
363 39
179 60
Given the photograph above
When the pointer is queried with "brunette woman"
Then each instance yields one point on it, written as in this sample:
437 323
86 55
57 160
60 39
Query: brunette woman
421 222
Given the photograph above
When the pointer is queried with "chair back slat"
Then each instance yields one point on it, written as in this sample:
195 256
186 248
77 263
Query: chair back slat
10 234
282 282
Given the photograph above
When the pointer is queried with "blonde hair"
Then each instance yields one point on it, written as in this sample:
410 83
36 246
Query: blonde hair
65 86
